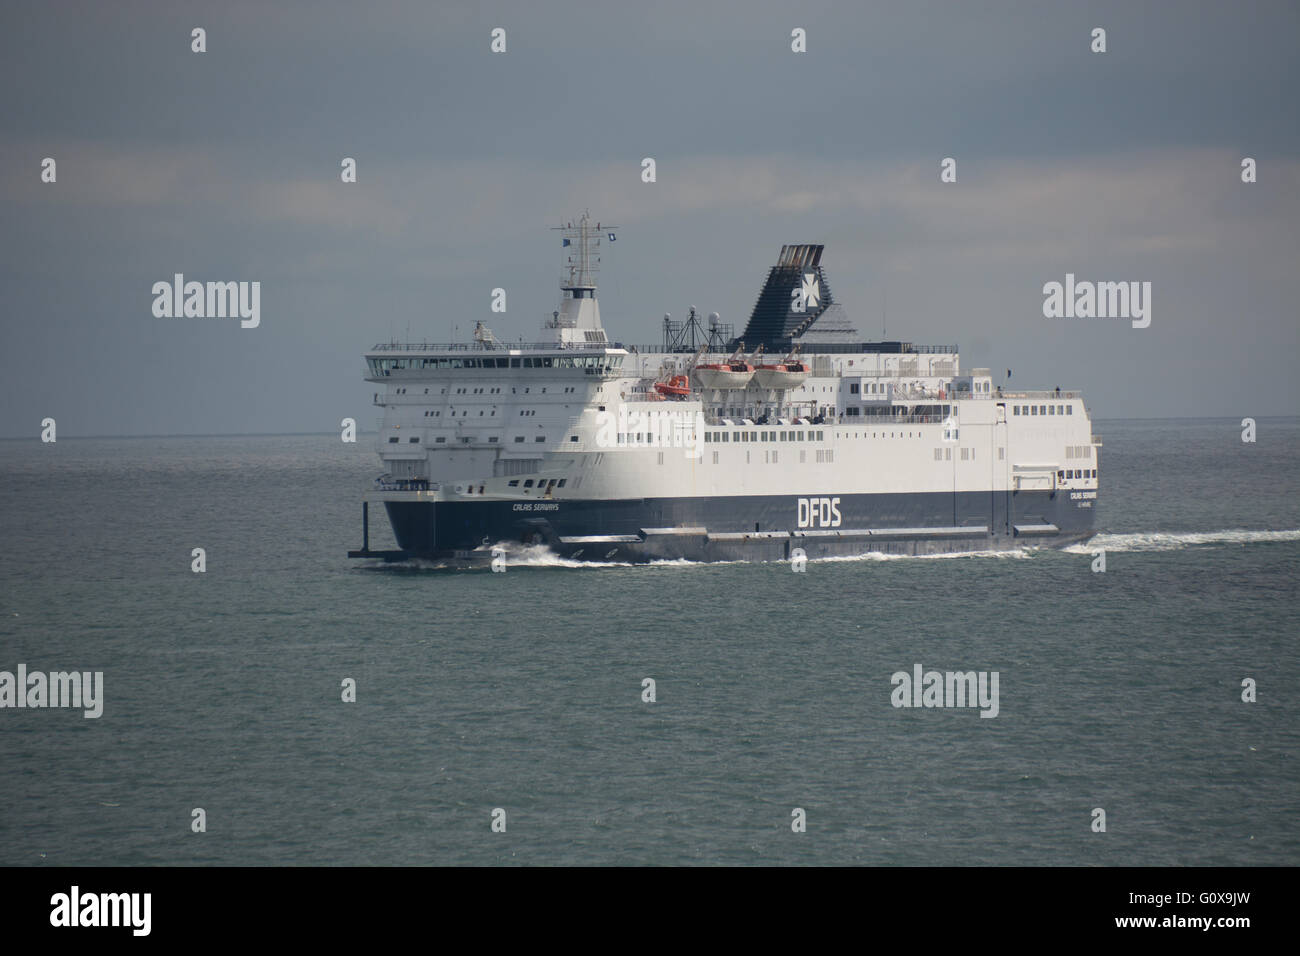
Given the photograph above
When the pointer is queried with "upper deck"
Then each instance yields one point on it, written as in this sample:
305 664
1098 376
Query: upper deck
383 361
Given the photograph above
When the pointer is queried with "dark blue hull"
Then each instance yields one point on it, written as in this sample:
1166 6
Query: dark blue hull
756 528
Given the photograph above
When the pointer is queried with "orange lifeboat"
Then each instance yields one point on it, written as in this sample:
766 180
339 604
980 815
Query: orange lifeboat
676 387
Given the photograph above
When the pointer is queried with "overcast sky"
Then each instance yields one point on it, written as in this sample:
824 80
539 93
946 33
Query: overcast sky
224 166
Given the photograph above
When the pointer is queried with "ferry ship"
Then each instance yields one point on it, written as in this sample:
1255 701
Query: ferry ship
795 438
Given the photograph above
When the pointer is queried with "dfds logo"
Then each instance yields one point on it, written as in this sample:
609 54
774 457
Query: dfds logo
819 512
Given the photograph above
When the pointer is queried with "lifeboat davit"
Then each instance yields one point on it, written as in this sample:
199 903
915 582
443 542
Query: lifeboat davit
785 374
724 374
678 386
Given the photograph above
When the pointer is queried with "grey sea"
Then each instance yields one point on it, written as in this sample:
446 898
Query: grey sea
522 691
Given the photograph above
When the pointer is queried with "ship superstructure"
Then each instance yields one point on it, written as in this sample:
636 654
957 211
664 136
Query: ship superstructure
796 434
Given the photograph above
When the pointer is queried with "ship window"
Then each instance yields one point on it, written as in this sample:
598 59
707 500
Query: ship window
540 438
518 439
528 483
1042 409
573 438
726 437
440 441
1033 409
1069 409
800 438
493 440
392 440
513 483
1015 410
413 440
708 437
1060 474
753 436
1051 409
561 482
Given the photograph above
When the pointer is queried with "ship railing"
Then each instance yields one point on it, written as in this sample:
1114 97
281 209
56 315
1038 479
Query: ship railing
1044 393
890 419
495 346
717 422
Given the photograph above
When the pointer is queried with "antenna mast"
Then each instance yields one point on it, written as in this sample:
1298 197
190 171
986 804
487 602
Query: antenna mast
583 262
